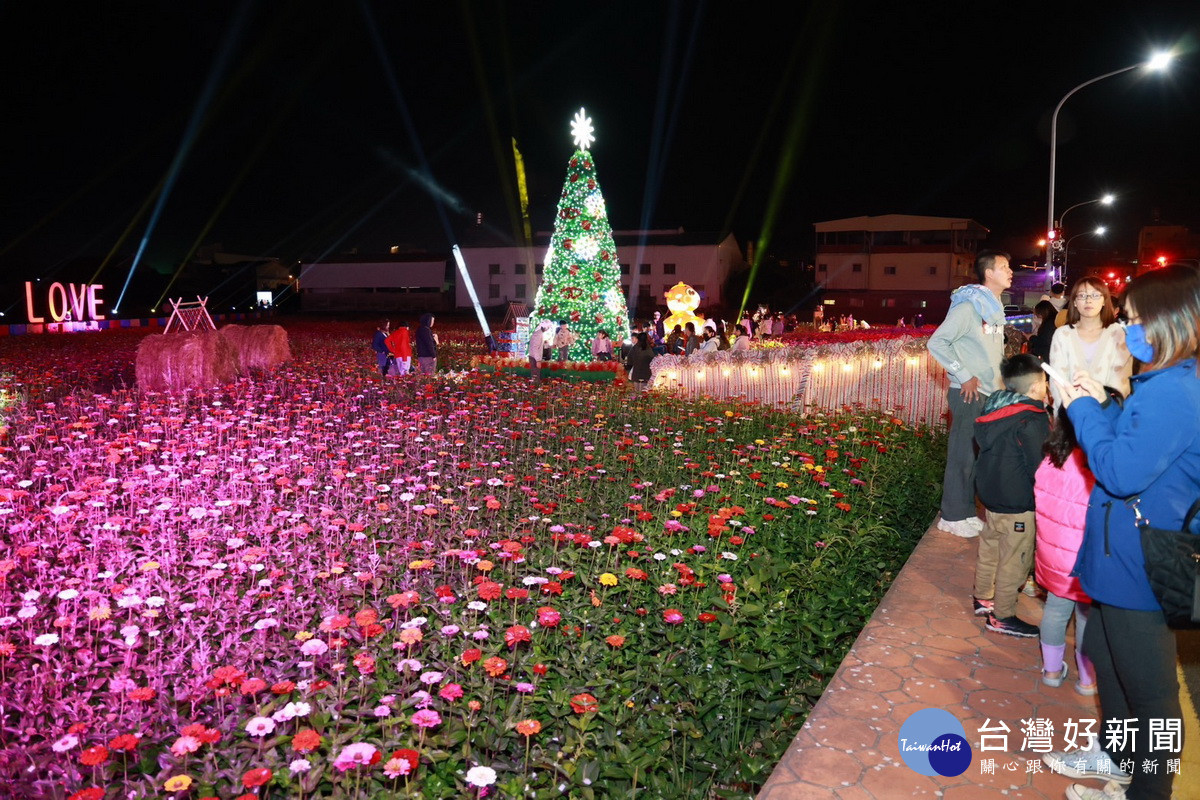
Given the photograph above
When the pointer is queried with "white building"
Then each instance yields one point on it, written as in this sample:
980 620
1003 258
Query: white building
651 262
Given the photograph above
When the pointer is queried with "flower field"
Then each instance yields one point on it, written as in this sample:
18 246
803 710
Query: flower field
318 583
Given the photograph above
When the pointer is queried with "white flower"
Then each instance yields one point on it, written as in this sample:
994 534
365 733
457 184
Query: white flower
155 601
27 612
68 594
299 765
65 743
46 639
481 776
259 726
729 556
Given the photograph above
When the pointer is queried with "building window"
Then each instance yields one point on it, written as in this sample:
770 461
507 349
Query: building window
643 269
624 269
493 269
625 289
493 291
856 268
888 303
519 269
856 301
520 290
889 270
831 302
822 268
933 270
644 289
668 269
537 268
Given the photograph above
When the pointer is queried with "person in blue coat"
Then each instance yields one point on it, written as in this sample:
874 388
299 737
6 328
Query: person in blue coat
1146 459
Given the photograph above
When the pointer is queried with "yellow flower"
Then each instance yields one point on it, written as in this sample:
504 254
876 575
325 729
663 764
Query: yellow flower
608 579
99 613
303 636
337 570
781 485
148 566
178 783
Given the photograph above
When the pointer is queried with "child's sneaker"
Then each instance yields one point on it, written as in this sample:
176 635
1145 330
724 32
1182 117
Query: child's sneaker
959 527
982 607
1086 764
1055 681
1030 589
1111 791
1012 626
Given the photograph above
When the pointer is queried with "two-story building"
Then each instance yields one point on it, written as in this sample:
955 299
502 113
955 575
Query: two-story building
882 268
375 282
651 262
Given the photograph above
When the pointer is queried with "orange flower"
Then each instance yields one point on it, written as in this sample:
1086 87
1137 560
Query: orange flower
529 727
411 636
306 741
366 617
582 703
615 640
495 666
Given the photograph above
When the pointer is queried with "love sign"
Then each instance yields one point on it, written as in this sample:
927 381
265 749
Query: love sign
75 302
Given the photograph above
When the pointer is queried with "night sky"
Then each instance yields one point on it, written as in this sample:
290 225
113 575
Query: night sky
308 129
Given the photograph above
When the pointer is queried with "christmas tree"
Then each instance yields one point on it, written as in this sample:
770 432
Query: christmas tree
581 283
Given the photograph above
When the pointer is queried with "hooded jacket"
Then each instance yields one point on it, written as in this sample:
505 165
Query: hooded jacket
1010 435
426 344
1148 450
970 341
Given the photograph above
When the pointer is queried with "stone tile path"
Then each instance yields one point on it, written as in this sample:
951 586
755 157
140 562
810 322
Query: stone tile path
923 648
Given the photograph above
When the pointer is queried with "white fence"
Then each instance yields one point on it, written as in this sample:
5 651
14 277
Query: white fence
895 374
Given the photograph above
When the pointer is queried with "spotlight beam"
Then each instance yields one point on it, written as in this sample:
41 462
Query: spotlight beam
224 55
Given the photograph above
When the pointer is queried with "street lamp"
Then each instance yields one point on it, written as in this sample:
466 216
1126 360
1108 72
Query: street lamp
1106 200
1100 231
1156 63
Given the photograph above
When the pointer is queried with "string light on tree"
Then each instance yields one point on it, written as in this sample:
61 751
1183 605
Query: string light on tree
582 278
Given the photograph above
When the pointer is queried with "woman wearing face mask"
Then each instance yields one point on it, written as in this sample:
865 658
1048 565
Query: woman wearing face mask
1090 340
1145 456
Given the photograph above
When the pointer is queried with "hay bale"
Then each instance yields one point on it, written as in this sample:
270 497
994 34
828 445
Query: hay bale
173 362
258 346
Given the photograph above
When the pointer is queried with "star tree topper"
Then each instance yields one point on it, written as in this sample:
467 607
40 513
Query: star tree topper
582 130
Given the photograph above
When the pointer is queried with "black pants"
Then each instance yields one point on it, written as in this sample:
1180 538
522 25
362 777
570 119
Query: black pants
1134 656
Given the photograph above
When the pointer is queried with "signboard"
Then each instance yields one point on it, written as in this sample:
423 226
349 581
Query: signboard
63 303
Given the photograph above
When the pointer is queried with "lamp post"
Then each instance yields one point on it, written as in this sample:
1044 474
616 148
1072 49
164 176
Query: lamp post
1156 63
1106 200
1100 231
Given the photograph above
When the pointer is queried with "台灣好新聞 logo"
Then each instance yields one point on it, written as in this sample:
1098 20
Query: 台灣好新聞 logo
933 742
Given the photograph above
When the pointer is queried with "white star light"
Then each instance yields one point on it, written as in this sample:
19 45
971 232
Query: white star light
582 130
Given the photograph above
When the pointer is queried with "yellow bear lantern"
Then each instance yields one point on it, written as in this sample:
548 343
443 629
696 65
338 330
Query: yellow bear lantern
682 300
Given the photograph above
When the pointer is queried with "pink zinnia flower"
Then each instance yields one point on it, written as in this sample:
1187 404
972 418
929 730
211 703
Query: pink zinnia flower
353 755
426 718
451 691
184 745
672 616
313 647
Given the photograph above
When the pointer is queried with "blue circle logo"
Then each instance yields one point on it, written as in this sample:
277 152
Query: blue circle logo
933 742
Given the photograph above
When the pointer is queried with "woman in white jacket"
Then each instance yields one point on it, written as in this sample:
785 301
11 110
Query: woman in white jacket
1091 340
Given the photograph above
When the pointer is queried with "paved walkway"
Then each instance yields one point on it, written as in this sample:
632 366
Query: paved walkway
922 648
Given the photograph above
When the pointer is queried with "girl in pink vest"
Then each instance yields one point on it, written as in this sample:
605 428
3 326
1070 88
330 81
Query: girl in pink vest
1061 488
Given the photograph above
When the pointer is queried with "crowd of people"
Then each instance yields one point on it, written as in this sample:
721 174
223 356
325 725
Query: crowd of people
1064 467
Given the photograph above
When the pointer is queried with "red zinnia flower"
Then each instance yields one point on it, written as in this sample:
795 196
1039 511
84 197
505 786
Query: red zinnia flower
96 754
90 793
256 777
126 741
495 666
471 656
707 617
517 634
540 669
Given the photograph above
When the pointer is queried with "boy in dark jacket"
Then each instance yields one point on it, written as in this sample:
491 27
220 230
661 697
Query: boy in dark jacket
1010 435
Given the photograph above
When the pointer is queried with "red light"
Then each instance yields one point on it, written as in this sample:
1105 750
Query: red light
1112 274
1162 261
1052 234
